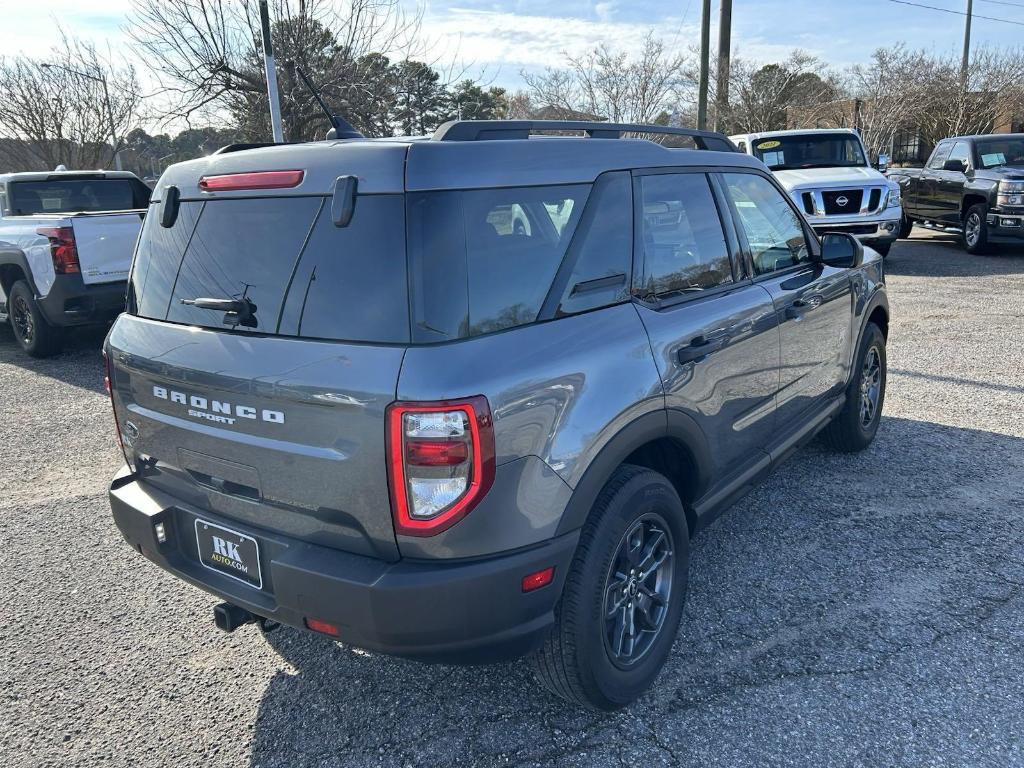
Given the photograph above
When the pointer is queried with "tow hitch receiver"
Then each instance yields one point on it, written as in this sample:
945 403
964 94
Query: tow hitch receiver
229 617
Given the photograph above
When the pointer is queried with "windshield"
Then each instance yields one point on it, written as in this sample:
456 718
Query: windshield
996 152
77 195
819 150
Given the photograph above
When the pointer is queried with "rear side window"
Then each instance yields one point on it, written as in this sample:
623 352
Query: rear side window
484 260
77 195
305 276
684 248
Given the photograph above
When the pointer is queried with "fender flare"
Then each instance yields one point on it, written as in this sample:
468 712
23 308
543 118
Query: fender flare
659 424
16 257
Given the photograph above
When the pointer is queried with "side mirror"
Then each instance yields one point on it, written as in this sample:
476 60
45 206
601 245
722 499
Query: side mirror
883 163
957 166
839 249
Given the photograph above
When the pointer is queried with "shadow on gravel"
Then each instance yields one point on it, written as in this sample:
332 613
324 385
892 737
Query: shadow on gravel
80 362
936 255
851 605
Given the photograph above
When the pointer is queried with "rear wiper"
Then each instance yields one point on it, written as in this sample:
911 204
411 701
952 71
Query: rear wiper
236 311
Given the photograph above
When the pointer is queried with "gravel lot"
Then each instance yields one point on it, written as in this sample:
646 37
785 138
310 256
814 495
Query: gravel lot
853 610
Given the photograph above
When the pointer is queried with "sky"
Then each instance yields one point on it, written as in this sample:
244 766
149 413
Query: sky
495 40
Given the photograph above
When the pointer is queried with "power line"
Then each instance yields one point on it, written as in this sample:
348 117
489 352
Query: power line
1004 2
957 13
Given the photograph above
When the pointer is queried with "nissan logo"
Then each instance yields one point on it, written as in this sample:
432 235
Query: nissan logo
842 200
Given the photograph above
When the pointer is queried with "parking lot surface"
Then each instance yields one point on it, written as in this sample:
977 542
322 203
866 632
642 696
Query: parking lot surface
853 610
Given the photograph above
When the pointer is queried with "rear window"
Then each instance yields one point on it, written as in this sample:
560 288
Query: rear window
484 260
303 275
76 196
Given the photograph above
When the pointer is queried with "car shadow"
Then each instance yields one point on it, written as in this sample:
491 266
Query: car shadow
933 254
841 570
79 363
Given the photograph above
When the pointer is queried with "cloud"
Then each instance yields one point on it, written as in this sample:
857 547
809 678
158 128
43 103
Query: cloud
505 43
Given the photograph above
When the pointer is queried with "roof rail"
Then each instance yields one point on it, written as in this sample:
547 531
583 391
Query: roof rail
488 130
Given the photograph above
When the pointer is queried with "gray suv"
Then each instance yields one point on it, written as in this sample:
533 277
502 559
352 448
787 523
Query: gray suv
469 397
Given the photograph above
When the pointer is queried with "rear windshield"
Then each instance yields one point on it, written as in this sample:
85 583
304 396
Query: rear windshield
299 274
479 261
76 196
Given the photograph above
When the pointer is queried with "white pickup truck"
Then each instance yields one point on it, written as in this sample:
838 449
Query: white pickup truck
66 243
827 173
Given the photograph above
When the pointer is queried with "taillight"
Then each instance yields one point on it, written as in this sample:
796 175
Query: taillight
251 180
62 249
108 384
440 462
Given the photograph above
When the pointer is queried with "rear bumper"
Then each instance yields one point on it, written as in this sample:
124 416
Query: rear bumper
72 302
454 612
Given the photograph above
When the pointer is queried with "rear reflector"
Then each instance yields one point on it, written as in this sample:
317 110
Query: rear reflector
322 626
538 579
62 249
254 180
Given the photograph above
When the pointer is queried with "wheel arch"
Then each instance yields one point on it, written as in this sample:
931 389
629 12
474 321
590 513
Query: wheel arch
969 200
14 267
667 441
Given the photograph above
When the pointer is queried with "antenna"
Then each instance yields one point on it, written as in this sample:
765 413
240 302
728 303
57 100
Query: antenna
341 128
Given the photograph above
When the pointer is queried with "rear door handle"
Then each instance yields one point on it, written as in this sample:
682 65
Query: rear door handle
699 348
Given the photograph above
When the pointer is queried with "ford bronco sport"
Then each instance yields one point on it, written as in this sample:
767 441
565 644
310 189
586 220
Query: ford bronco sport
469 397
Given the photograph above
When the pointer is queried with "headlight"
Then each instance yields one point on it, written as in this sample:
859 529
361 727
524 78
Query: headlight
894 195
1011 193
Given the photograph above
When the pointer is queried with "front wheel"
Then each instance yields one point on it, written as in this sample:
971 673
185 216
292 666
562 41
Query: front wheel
906 227
855 426
34 335
976 229
624 594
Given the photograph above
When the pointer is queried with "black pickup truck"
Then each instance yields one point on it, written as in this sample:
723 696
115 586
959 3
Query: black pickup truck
973 185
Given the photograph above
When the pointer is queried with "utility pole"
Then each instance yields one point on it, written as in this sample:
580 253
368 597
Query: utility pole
705 62
271 70
724 47
967 43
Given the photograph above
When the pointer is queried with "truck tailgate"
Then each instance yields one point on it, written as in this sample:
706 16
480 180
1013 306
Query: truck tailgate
105 244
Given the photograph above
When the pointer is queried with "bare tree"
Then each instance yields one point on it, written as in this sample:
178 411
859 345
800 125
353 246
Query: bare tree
54 111
207 53
611 84
763 93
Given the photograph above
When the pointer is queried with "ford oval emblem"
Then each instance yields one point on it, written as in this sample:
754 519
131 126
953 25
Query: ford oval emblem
842 201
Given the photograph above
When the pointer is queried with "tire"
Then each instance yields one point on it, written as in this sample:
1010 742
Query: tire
852 430
584 659
34 335
906 227
976 229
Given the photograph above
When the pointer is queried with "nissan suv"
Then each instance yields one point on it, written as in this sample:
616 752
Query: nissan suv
467 398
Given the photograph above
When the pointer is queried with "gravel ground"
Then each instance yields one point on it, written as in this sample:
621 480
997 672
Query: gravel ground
853 610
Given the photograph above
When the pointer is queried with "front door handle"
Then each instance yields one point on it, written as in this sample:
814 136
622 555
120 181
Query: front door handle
799 308
699 348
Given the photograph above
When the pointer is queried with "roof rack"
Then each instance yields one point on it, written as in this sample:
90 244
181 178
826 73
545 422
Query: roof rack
488 130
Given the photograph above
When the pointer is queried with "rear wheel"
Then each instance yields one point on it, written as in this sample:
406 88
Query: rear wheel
855 426
34 335
624 595
976 229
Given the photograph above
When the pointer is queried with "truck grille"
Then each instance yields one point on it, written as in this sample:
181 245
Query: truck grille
842 201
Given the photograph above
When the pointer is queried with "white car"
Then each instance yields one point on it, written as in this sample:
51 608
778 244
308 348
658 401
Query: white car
827 173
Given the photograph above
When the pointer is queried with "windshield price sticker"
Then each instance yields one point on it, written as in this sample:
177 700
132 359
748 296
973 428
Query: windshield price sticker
996 158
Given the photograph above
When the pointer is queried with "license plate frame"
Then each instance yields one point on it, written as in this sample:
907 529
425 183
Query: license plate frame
220 556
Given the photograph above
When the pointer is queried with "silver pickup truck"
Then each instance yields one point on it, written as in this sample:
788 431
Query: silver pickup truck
827 174
66 242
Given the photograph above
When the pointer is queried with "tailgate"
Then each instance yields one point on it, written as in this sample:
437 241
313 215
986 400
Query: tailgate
280 434
105 243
